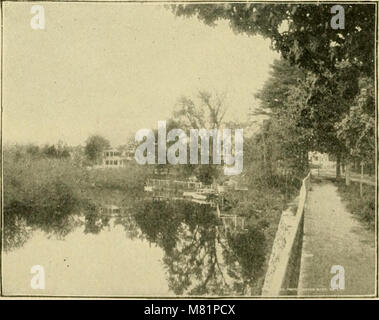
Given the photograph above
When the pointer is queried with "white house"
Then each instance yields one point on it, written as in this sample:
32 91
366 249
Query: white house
113 158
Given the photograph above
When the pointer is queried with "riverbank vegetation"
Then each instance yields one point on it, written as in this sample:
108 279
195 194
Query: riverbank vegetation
45 191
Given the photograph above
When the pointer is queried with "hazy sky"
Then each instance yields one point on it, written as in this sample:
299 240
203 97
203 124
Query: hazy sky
113 69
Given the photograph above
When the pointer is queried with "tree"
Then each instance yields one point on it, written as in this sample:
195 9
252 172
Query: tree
95 145
60 151
334 60
284 139
50 151
33 150
357 129
205 111
302 33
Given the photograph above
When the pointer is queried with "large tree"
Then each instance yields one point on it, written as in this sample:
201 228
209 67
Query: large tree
302 33
357 128
334 60
95 145
206 110
283 138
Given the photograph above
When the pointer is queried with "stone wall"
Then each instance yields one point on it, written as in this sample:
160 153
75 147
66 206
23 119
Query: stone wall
284 265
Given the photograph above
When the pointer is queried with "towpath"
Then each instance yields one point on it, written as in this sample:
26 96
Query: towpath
334 237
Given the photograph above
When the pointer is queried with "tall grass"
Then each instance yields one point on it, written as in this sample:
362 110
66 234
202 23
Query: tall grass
129 179
42 185
57 187
48 192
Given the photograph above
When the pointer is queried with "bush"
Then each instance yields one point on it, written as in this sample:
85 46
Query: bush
363 207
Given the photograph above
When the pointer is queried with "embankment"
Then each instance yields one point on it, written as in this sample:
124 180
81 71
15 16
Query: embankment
283 269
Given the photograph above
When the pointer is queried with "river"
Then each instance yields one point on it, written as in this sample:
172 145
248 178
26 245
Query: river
149 249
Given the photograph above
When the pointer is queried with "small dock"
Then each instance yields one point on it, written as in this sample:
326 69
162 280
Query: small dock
175 190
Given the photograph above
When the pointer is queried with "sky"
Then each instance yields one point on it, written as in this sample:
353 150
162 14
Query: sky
114 68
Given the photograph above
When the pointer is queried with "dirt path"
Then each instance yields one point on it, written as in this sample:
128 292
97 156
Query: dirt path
332 236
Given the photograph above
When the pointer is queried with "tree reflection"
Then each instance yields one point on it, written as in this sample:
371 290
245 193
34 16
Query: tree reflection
159 222
16 232
21 221
95 222
202 258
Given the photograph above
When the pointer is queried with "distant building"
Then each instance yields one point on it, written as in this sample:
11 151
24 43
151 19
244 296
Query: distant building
113 158
320 160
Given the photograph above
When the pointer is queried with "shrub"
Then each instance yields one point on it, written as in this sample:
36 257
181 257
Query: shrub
362 207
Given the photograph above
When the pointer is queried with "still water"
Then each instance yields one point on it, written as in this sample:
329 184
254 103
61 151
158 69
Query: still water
151 249
108 263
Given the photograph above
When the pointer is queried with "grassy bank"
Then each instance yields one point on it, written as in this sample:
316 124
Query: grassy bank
42 186
129 179
42 189
40 193
47 193
361 207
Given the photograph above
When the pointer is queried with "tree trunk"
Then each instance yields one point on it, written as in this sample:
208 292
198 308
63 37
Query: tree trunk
347 174
361 182
338 167
343 166
306 160
264 150
286 186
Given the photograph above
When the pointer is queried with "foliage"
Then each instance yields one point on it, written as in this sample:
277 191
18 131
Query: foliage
302 33
129 179
59 152
327 65
42 192
95 145
363 207
199 257
283 140
205 111
357 128
48 193
248 250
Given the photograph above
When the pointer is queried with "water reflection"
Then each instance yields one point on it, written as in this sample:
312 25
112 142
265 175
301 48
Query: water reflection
16 232
203 253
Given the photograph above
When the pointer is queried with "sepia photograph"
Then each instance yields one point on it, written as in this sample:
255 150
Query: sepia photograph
189 149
